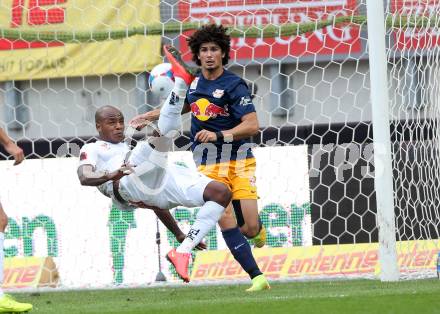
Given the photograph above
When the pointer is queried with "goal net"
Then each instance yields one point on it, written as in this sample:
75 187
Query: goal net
414 94
307 64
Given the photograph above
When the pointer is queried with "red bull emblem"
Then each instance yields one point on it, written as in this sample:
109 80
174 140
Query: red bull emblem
203 110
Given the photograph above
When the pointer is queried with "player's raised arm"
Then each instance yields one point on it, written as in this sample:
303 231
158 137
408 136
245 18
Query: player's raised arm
140 121
11 147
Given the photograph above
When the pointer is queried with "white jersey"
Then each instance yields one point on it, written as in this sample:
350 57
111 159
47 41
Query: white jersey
162 186
104 156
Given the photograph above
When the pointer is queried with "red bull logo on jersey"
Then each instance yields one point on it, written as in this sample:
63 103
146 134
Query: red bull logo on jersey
203 110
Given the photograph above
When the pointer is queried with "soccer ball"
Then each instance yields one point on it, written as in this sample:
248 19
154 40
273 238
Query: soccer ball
161 80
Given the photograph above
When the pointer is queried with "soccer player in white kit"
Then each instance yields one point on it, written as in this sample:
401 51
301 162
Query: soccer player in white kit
142 178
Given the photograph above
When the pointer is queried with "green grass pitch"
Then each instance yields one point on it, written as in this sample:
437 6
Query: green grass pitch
322 297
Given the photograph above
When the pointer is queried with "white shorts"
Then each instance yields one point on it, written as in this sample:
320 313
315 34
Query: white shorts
181 186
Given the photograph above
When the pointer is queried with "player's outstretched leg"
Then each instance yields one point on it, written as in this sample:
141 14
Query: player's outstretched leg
169 123
178 66
206 219
217 197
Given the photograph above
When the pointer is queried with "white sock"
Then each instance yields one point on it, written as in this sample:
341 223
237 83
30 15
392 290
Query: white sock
2 257
169 120
206 219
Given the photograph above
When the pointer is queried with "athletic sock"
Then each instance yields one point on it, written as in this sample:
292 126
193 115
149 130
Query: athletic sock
241 250
206 219
169 120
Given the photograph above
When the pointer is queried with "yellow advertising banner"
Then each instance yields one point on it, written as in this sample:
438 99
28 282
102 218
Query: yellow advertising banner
21 60
316 261
30 272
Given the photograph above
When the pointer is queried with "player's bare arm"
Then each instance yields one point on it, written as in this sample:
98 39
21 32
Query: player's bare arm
11 147
248 127
169 222
89 177
142 120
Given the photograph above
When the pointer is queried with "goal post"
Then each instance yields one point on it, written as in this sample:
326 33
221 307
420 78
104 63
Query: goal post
383 180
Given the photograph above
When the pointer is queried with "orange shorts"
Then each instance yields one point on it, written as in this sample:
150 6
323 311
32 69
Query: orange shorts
238 175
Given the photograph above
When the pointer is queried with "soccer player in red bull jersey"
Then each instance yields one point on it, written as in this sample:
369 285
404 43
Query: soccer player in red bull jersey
223 120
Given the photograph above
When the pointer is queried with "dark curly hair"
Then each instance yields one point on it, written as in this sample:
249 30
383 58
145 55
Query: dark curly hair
207 34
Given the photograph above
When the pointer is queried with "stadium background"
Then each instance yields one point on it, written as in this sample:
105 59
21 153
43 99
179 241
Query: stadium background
312 94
